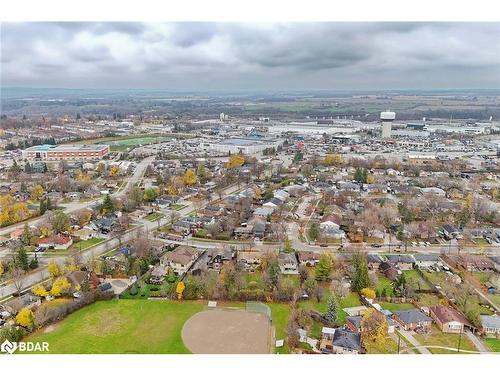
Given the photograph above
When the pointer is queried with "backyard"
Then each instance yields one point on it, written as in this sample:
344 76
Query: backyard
436 337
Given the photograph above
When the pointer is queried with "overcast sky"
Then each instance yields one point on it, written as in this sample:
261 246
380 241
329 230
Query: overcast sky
191 56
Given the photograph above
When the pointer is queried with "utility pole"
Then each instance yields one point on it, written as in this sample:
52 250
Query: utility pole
399 341
460 339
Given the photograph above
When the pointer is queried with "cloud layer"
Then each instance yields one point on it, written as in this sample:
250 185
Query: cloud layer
201 56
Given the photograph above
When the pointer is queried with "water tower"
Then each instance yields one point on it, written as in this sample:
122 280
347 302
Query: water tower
387 118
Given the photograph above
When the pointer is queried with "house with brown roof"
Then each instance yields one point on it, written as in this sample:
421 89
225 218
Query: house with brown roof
57 242
448 319
180 259
308 258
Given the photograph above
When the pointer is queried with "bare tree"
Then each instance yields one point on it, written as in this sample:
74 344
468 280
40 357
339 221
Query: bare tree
17 276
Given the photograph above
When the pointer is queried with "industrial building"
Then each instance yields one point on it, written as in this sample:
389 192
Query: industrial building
65 152
244 145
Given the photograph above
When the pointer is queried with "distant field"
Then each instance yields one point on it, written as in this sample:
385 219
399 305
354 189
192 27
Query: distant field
493 344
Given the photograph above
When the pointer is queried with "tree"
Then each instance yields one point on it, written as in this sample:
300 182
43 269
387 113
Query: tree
179 289
287 246
17 276
61 222
2 270
25 318
235 161
21 259
360 278
324 268
113 171
54 269
313 232
151 194
189 178
39 290
136 196
37 192
310 286
332 310
60 286
374 327
107 205
26 235
368 293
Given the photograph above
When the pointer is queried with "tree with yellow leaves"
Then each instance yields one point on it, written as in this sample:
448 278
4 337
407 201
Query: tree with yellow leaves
370 179
39 290
60 286
374 327
172 190
2 270
236 161
25 318
54 269
37 192
113 171
179 289
368 293
332 159
189 178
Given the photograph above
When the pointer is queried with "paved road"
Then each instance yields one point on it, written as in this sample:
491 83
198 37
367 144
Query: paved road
33 278
75 206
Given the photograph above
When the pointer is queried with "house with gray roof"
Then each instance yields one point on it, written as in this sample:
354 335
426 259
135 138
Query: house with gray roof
412 319
346 342
490 325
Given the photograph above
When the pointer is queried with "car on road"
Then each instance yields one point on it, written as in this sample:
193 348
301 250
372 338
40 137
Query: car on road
377 245
40 249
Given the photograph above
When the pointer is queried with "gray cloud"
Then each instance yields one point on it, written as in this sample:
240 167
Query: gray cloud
251 56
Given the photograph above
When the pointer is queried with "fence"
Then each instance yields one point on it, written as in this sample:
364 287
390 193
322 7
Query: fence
260 308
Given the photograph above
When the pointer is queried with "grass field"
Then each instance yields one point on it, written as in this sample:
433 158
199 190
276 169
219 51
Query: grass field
396 306
414 276
280 314
87 243
122 326
384 284
493 344
436 337
154 216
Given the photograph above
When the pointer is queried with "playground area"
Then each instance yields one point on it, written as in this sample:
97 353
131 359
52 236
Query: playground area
228 331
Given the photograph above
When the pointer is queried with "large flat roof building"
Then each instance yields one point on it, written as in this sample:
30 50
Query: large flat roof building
65 152
244 145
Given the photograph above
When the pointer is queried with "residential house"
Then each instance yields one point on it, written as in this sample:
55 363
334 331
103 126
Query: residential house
249 260
330 221
85 233
180 259
374 261
426 260
263 212
403 262
450 232
490 325
412 319
79 278
288 263
258 227
308 258
346 342
273 203
57 242
353 323
448 319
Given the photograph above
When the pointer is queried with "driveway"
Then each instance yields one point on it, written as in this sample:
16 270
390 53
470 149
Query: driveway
409 337
478 343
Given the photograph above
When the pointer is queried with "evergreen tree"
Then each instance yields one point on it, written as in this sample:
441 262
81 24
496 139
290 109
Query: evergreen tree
360 279
107 205
332 310
43 206
21 258
324 268
27 167
33 263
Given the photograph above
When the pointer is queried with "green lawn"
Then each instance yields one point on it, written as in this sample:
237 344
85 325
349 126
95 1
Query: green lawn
154 216
88 243
435 277
280 313
428 299
388 346
122 326
493 344
396 306
436 337
384 284
177 206
413 275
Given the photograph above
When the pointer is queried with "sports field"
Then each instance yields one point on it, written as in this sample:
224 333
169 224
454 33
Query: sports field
227 331
121 326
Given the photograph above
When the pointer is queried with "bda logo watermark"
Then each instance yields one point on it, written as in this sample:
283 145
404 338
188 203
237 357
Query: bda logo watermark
11 347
